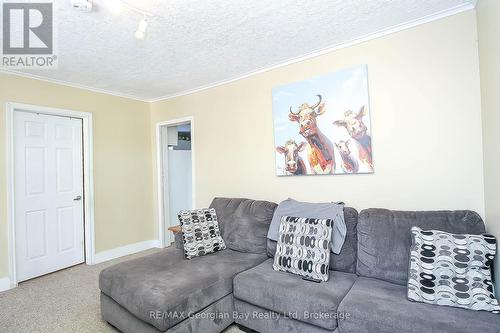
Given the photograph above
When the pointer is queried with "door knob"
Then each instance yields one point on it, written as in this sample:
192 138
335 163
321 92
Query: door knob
78 198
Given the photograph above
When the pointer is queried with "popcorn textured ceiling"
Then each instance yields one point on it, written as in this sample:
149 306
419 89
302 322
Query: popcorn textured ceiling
192 43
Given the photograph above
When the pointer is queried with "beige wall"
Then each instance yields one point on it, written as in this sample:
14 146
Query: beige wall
122 159
488 16
425 114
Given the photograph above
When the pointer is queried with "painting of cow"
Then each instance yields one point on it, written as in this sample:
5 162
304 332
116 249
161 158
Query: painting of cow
294 164
319 148
349 162
320 136
353 123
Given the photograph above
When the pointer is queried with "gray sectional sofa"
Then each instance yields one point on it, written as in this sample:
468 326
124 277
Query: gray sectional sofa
366 291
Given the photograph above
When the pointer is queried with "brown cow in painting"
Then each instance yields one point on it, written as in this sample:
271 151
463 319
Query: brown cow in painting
294 164
320 149
353 122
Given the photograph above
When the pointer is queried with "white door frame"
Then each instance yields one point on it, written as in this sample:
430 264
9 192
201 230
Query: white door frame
88 183
159 168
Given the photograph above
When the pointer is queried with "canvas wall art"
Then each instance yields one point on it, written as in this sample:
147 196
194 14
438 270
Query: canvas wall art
322 125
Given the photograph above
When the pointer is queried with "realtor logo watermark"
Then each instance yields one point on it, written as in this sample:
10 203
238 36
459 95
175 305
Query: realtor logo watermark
28 35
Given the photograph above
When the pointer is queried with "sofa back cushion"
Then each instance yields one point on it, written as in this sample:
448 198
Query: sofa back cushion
384 238
345 261
244 223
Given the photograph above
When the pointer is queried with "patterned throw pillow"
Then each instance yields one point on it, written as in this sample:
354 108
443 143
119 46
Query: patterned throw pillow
452 270
304 247
200 232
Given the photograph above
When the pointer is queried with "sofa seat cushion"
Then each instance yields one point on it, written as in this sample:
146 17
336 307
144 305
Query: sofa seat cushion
171 287
379 306
285 293
265 321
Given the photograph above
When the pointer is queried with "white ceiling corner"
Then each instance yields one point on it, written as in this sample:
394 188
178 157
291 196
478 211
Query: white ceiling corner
193 45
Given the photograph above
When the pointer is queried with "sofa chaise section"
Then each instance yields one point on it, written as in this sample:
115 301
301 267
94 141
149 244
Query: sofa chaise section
167 284
164 291
204 322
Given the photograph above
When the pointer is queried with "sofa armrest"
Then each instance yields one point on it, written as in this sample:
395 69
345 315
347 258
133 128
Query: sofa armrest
179 242
175 229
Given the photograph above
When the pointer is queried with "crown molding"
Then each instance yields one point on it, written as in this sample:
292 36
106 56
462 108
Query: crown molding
71 84
381 33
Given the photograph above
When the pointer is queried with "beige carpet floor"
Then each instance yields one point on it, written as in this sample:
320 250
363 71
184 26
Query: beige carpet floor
66 301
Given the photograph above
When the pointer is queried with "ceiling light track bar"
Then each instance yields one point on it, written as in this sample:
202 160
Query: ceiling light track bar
137 10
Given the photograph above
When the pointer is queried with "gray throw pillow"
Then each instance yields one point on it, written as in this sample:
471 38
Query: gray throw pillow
452 270
304 247
200 232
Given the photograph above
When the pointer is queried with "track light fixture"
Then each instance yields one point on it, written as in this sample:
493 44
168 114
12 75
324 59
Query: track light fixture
117 7
141 30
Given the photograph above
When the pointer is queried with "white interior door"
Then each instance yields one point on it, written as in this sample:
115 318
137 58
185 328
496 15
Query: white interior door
48 190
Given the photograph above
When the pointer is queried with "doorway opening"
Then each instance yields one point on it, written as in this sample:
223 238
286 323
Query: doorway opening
175 156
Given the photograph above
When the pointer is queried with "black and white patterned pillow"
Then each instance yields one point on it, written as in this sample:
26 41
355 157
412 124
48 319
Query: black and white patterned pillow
453 270
304 247
200 232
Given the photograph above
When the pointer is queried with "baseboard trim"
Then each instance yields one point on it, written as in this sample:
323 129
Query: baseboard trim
124 250
5 284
